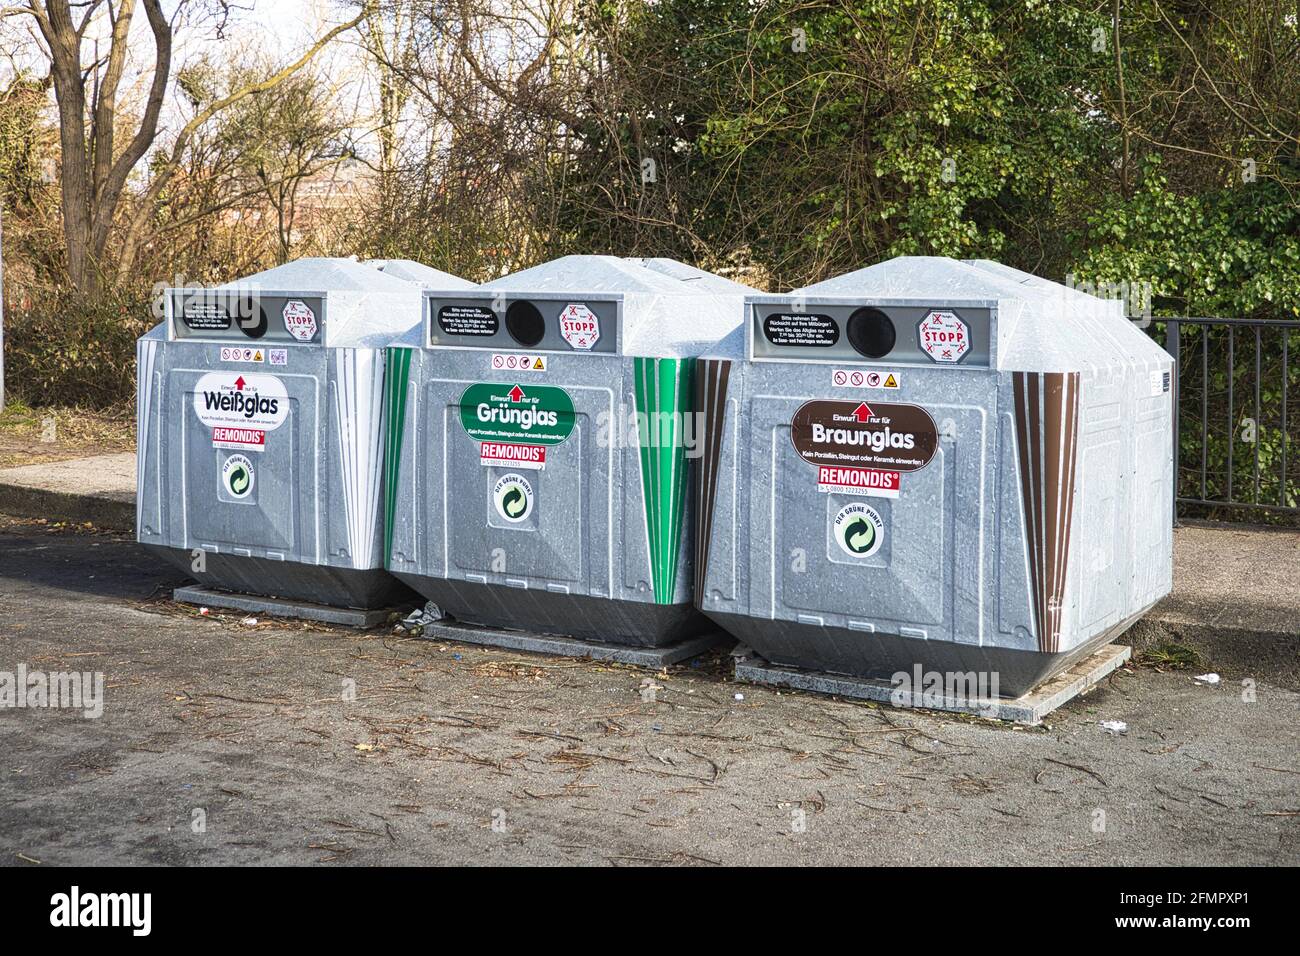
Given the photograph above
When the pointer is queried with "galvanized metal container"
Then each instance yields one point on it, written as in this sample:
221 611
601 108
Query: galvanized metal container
950 466
541 441
260 430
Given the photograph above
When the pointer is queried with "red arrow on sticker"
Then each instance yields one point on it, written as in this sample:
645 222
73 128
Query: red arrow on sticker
516 394
862 413
239 383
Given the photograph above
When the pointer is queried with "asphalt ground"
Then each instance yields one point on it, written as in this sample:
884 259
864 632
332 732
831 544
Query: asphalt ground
222 741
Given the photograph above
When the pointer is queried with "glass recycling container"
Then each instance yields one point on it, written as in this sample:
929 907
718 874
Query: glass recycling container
541 440
260 430
938 464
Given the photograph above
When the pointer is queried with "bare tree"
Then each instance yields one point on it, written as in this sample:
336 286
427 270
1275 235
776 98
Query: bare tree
94 166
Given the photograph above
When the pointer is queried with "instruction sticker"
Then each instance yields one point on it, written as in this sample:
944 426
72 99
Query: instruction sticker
299 320
240 407
579 326
878 436
861 378
944 336
801 328
206 316
467 320
515 414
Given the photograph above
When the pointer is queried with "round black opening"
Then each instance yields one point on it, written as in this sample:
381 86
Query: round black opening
871 333
251 318
525 324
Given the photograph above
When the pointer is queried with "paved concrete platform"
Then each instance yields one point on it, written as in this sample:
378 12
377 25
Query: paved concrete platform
655 658
280 607
100 489
1029 709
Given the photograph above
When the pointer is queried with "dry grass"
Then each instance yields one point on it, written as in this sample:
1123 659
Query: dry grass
30 436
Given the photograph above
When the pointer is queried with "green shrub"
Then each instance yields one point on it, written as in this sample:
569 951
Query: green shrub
72 352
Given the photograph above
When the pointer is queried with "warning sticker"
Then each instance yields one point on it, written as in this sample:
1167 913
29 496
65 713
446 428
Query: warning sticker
514 415
944 336
858 481
859 530
861 378
240 402
878 436
507 454
511 362
242 355
579 326
300 320
801 328
467 320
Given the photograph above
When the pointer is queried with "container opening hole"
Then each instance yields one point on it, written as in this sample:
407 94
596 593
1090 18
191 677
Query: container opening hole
525 323
251 318
871 333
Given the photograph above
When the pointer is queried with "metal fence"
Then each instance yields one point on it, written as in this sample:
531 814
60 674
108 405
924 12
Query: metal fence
1236 432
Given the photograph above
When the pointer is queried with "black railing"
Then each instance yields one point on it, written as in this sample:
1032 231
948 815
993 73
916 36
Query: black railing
1236 432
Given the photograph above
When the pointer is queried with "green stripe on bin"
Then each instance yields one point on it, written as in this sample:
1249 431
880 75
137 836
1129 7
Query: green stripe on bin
398 377
664 396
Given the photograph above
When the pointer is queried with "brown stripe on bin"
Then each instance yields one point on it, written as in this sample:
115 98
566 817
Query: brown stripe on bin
1047 429
711 402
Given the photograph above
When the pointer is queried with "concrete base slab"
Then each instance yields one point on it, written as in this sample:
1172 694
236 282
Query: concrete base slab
1029 709
281 607
558 646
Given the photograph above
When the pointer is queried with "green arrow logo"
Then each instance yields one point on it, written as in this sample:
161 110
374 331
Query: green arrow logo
239 481
514 502
859 535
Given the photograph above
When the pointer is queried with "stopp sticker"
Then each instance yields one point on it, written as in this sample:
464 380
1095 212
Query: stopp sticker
237 477
579 326
513 497
858 529
299 320
944 336
240 407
